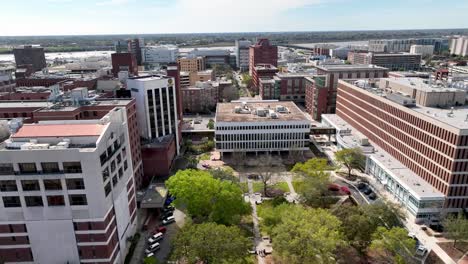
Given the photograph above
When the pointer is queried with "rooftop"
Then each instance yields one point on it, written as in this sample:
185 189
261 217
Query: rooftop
59 130
347 67
259 111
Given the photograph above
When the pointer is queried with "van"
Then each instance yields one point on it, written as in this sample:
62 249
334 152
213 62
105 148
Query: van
155 238
168 220
152 248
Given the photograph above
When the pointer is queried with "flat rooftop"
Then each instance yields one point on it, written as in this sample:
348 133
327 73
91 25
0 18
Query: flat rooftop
225 112
347 67
59 130
423 84
406 177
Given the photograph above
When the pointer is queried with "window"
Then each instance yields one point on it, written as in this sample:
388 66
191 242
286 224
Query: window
8 186
105 174
119 158
72 167
103 158
6 169
125 165
77 199
113 166
11 201
27 168
50 167
55 200
107 188
124 152
75 184
114 180
30 185
52 185
120 173
32 201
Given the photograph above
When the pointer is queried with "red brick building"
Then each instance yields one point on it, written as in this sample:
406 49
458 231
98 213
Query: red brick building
262 53
261 71
124 62
316 94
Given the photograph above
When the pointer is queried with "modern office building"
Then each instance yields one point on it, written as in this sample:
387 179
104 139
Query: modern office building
30 55
67 192
459 46
158 121
124 62
153 55
340 52
134 46
424 50
420 124
262 53
212 56
392 61
242 54
191 64
334 72
121 46
261 126
404 45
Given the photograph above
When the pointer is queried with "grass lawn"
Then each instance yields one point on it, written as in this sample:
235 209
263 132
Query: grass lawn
298 186
244 187
205 156
257 187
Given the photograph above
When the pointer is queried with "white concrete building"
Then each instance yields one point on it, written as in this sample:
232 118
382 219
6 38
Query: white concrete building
159 54
242 54
156 102
67 192
424 50
459 46
261 126
339 52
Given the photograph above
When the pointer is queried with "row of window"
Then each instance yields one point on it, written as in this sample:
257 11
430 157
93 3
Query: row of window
112 149
268 127
46 167
52 200
49 185
262 137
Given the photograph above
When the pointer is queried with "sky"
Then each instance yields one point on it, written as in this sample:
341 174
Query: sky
86 17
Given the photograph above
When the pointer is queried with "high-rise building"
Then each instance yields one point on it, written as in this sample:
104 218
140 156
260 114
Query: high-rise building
125 62
30 55
404 45
262 53
158 121
392 61
242 54
134 46
261 71
67 192
459 46
121 46
191 64
420 132
160 54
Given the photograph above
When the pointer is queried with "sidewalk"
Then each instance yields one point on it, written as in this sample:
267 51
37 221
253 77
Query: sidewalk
258 236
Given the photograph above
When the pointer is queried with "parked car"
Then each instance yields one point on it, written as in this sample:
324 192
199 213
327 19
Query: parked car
373 196
253 176
421 250
150 255
361 185
258 201
166 215
367 191
412 235
168 209
168 220
345 190
169 200
152 248
155 238
333 187
160 229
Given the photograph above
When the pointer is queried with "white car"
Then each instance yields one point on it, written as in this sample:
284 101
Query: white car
152 248
168 220
155 238
421 250
150 255
412 235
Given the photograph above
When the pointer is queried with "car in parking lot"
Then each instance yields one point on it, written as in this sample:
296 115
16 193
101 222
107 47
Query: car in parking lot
168 208
150 255
155 238
152 248
169 220
160 229
333 187
361 185
345 190
421 250
367 190
166 215
372 196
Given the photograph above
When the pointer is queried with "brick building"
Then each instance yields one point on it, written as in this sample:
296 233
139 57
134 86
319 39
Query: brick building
262 53
262 71
30 55
124 62
393 61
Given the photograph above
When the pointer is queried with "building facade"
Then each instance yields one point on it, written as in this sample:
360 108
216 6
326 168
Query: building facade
316 96
125 62
392 61
261 71
30 55
68 185
242 54
200 98
261 126
191 64
459 46
424 50
262 53
404 45
134 46
153 55
428 140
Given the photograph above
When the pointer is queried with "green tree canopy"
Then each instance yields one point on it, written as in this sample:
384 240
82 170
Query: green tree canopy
393 245
307 236
456 228
350 158
210 243
224 174
206 197
316 181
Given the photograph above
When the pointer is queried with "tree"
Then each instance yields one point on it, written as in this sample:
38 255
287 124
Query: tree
210 124
247 80
351 158
265 169
456 228
224 174
316 181
207 198
393 245
307 236
210 243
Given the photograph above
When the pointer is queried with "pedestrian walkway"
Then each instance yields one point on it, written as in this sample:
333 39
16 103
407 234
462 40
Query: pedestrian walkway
293 196
256 227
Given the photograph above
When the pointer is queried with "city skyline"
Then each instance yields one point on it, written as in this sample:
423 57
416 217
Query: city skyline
69 17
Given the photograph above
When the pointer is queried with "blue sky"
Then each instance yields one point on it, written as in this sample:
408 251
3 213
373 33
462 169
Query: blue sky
71 17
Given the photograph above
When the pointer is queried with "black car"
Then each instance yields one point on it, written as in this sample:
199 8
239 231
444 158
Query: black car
362 185
166 215
367 191
373 196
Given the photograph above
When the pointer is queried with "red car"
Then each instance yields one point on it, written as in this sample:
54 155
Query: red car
161 229
345 190
333 187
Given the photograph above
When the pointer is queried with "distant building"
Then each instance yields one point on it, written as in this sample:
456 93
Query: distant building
424 50
284 87
125 62
121 46
262 52
160 54
212 56
392 61
201 76
200 98
30 55
261 126
261 71
134 47
317 95
191 64
340 53
404 45
242 54
459 46
184 79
